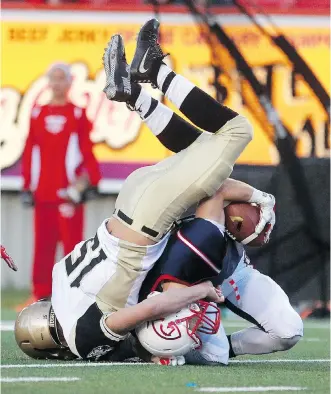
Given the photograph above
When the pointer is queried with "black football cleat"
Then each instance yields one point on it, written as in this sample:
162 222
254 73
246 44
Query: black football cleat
148 55
118 84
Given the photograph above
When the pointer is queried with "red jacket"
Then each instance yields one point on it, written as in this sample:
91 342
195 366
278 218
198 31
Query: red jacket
57 150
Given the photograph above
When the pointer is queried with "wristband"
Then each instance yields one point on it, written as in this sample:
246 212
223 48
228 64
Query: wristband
108 332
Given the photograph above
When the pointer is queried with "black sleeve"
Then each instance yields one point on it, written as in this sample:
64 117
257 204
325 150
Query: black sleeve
91 342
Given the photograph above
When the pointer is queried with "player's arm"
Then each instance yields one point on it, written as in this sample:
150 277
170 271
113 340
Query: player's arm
86 147
125 320
85 186
233 190
27 198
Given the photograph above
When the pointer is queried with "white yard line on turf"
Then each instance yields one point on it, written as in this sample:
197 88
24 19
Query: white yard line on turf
36 379
246 389
307 324
65 365
8 325
322 360
313 339
102 364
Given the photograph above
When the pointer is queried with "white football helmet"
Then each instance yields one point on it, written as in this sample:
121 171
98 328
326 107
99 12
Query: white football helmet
178 333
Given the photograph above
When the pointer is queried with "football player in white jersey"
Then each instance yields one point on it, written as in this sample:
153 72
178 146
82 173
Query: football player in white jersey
199 249
96 287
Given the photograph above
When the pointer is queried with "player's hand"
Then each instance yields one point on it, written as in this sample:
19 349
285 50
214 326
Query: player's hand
7 258
213 294
77 196
172 361
267 215
73 194
27 198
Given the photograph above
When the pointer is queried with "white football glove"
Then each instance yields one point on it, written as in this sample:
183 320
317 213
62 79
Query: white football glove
266 203
71 194
172 361
74 195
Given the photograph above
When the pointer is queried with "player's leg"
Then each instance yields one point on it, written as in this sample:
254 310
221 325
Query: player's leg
46 238
258 299
157 195
71 223
147 65
173 132
214 350
153 197
200 108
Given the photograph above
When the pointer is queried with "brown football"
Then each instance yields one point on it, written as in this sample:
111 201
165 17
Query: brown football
241 220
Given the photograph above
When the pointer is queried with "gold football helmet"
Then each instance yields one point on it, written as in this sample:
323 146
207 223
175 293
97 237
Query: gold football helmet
38 333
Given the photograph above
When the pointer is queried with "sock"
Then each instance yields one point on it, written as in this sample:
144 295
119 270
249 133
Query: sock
142 103
173 132
231 352
193 357
198 106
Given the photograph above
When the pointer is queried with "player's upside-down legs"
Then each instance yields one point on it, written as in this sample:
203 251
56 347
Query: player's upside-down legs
203 160
153 197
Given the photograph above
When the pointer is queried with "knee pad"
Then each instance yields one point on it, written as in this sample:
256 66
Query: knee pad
239 126
288 343
248 130
288 325
244 128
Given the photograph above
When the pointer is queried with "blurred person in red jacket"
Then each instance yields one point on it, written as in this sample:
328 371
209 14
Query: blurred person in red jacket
59 170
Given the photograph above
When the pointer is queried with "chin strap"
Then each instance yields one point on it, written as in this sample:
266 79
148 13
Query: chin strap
56 330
